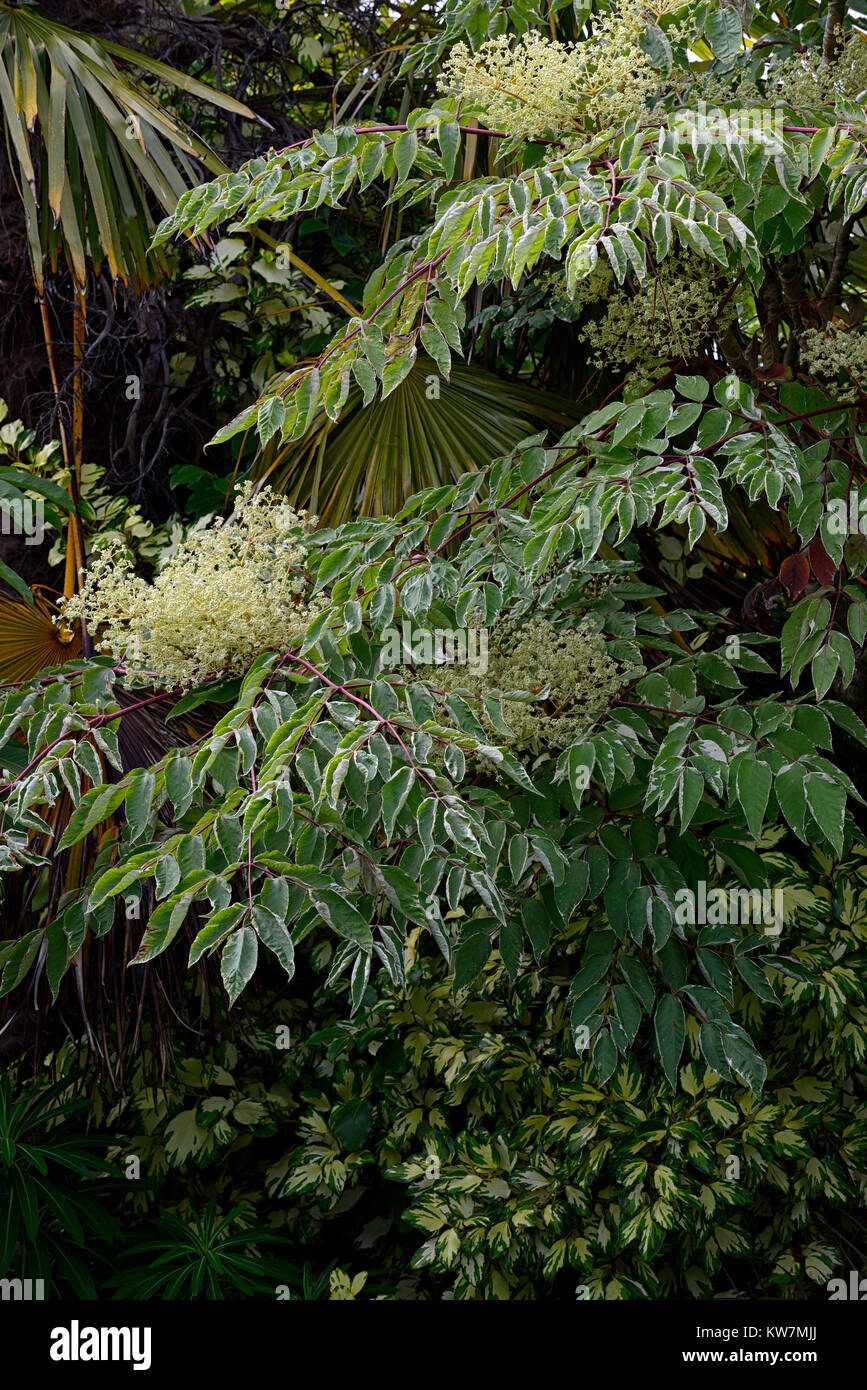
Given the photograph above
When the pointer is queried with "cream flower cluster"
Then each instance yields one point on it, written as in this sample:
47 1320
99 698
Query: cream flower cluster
231 591
826 352
532 89
532 655
669 315
801 80
543 88
805 81
598 284
729 92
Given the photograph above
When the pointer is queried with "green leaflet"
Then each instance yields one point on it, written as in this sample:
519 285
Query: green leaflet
669 1030
238 961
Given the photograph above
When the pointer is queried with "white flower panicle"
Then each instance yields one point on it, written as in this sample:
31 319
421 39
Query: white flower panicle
804 80
544 88
670 314
571 664
826 352
231 591
687 300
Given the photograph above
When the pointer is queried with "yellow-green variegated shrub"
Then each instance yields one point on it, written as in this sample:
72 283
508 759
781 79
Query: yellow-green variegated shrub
458 1146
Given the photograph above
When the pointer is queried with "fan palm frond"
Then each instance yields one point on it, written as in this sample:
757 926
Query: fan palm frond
30 640
427 432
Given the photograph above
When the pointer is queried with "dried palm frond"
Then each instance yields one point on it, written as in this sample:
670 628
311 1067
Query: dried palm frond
30 640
